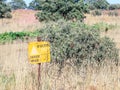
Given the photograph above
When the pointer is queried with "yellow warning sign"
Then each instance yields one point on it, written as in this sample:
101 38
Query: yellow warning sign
39 52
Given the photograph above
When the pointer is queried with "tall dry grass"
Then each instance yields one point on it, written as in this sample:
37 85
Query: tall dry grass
16 73
90 19
22 20
113 33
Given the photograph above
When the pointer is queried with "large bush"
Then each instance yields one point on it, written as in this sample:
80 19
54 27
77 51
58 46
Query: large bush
77 43
66 9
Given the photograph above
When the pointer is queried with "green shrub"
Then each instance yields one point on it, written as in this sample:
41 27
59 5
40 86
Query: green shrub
11 36
76 43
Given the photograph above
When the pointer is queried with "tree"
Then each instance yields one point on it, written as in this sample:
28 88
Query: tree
114 6
35 4
18 4
57 9
101 4
4 10
98 4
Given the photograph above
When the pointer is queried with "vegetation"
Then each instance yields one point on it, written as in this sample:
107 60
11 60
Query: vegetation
11 36
97 4
4 10
101 4
77 43
68 10
114 6
18 4
35 5
72 42
102 26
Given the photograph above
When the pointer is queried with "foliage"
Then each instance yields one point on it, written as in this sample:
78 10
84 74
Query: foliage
96 13
11 36
18 4
72 42
35 4
97 4
91 7
76 43
101 4
69 10
114 13
4 10
114 6
102 26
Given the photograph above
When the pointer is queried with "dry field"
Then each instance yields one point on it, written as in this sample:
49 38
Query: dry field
113 33
17 74
22 20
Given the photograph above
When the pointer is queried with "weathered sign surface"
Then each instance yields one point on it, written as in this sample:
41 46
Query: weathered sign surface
39 52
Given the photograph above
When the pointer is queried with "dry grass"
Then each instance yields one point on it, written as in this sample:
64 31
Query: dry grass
17 74
22 20
113 33
103 18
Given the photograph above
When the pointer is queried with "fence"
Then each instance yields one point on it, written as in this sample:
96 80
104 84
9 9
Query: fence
16 73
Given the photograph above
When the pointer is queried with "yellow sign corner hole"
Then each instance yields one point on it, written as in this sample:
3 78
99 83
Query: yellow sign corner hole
39 52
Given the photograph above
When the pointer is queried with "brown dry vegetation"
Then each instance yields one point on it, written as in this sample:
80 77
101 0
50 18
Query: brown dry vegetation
17 74
113 33
22 20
